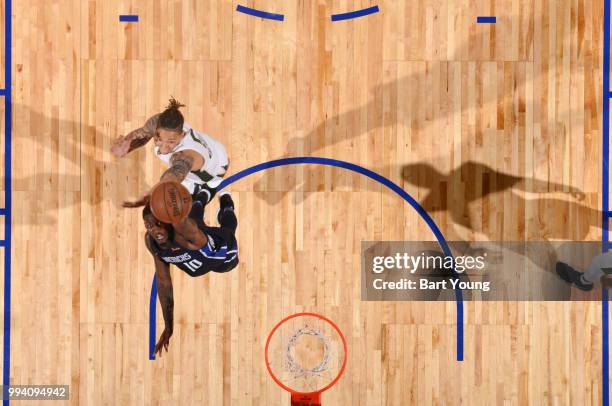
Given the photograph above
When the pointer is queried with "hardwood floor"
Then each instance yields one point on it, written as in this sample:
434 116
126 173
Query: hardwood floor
418 92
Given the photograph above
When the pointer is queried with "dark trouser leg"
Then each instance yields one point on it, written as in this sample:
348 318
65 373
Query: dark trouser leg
204 194
229 266
227 219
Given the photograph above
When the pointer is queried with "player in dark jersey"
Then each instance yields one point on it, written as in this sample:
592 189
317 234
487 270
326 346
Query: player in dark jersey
193 247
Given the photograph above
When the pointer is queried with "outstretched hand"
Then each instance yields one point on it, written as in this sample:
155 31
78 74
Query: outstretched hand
120 147
164 341
137 203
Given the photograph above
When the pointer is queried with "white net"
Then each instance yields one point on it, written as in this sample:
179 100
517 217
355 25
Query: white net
306 354
294 365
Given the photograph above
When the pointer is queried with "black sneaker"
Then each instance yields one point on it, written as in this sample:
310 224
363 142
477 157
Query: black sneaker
569 274
225 203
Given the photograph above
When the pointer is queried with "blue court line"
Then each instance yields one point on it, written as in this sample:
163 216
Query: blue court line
2 211
605 350
355 168
259 13
486 20
605 196
2 243
152 311
355 14
126 18
8 66
2 92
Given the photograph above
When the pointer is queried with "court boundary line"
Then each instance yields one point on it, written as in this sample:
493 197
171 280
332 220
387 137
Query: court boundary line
605 198
6 361
340 164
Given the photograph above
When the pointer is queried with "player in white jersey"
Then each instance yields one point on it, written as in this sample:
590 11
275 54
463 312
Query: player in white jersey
195 159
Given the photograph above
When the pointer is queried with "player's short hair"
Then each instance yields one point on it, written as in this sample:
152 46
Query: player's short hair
172 118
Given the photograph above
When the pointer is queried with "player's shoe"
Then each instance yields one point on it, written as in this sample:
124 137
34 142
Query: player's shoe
225 203
569 274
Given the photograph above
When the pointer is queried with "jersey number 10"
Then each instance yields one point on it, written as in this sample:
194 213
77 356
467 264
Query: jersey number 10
193 265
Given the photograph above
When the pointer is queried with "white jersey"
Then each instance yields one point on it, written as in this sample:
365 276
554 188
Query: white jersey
213 152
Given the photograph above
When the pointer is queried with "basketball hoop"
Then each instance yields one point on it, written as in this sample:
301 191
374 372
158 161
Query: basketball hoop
306 355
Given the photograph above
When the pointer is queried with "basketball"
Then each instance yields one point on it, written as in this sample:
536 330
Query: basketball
170 202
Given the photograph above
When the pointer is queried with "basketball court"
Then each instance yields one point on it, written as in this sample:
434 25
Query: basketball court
418 95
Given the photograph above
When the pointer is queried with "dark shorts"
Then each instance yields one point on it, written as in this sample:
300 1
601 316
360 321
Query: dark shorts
228 267
204 194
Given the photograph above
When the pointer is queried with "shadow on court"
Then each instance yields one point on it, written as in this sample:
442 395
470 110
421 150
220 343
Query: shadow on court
405 112
61 163
457 191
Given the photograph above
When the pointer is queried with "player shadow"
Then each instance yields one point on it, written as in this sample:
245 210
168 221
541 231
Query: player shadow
417 116
469 184
70 146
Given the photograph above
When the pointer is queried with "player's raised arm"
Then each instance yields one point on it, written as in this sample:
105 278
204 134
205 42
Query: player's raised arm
181 163
166 299
135 139
189 235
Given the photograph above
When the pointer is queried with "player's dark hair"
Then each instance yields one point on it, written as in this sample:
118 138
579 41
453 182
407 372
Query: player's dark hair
146 211
172 118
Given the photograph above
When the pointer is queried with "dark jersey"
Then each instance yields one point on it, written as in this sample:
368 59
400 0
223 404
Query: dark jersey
219 254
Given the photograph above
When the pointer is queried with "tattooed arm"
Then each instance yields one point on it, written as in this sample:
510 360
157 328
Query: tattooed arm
166 299
135 139
182 163
138 138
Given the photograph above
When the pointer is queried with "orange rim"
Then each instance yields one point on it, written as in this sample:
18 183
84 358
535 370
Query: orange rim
329 385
